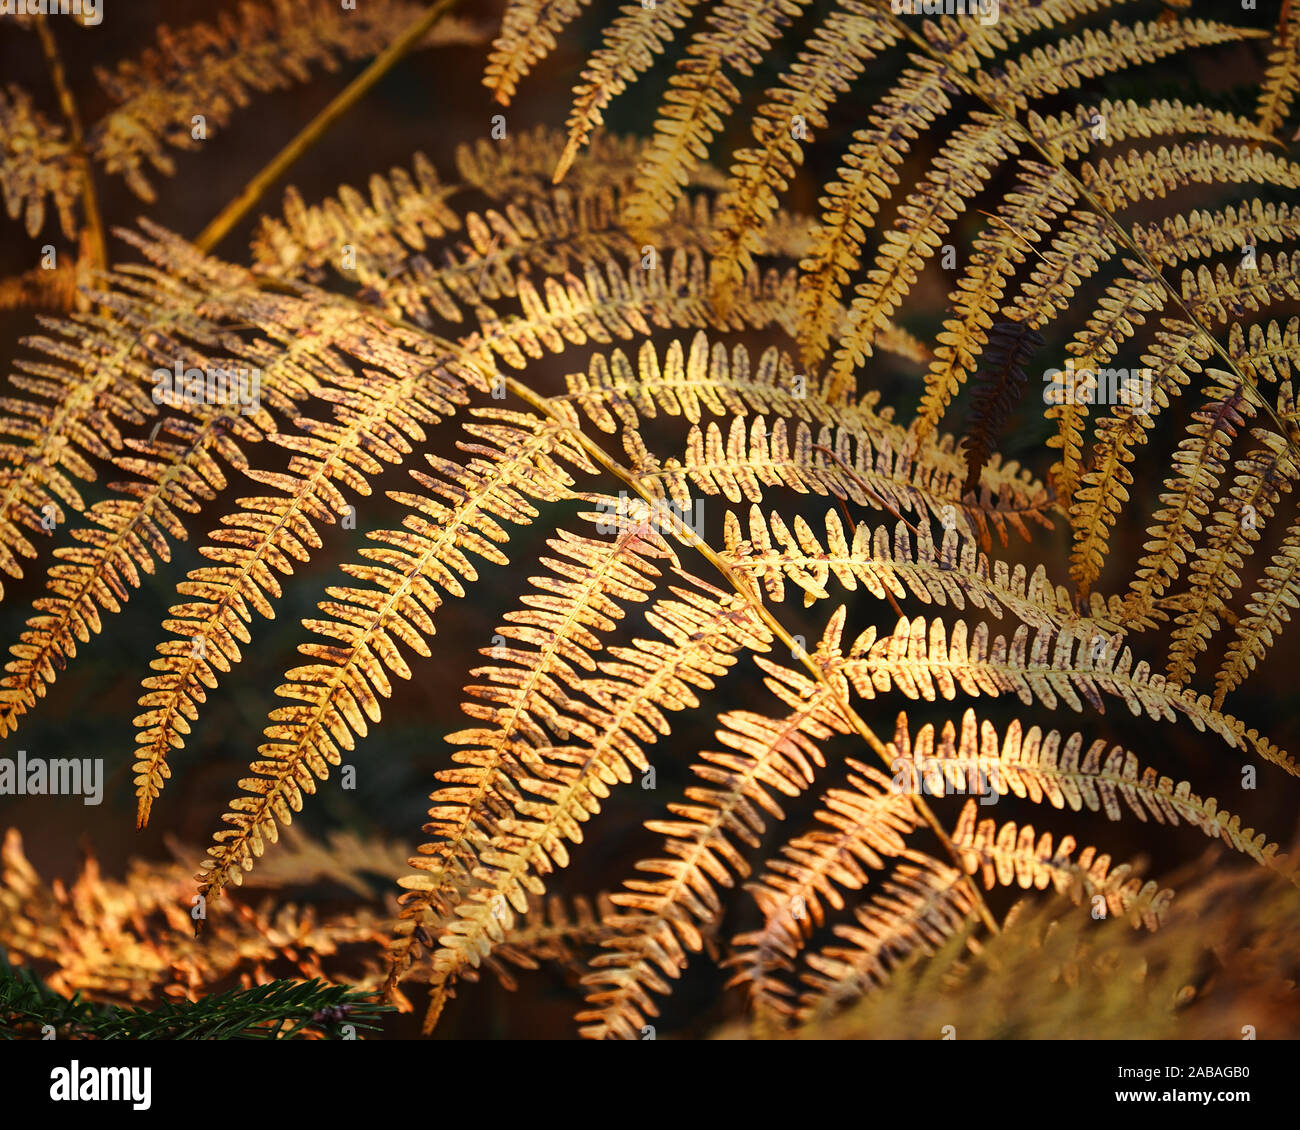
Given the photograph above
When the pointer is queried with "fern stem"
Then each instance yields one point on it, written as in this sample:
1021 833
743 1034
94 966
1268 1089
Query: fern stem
252 192
94 238
742 587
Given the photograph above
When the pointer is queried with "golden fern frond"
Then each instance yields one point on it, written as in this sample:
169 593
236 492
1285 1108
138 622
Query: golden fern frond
1277 92
1264 474
1044 768
528 31
868 821
917 98
1265 353
959 171
1199 463
701 94
1114 321
920 906
1120 182
1023 217
1267 614
772 755
558 930
953 573
1076 253
1102 491
611 301
847 465
123 539
378 419
1007 855
557 630
603 745
706 379
1072 60
933 662
834 55
1256 286
1072 134
406 210
39 167
126 534
553 233
1199 234
520 164
630 43
341 687
964 39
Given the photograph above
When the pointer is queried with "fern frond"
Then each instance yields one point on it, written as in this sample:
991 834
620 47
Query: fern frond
834 56
919 96
1264 474
1069 136
689 383
604 744
37 166
263 47
959 171
520 164
378 418
1201 234
1223 296
133 939
740 465
1267 614
611 301
1277 92
340 688
1198 463
1102 492
1144 175
630 43
771 756
701 95
952 573
1011 855
1071 60
406 211
528 31
932 662
1023 217
868 821
920 906
1044 768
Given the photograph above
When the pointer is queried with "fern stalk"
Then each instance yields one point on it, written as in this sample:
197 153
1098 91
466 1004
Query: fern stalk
67 105
252 192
